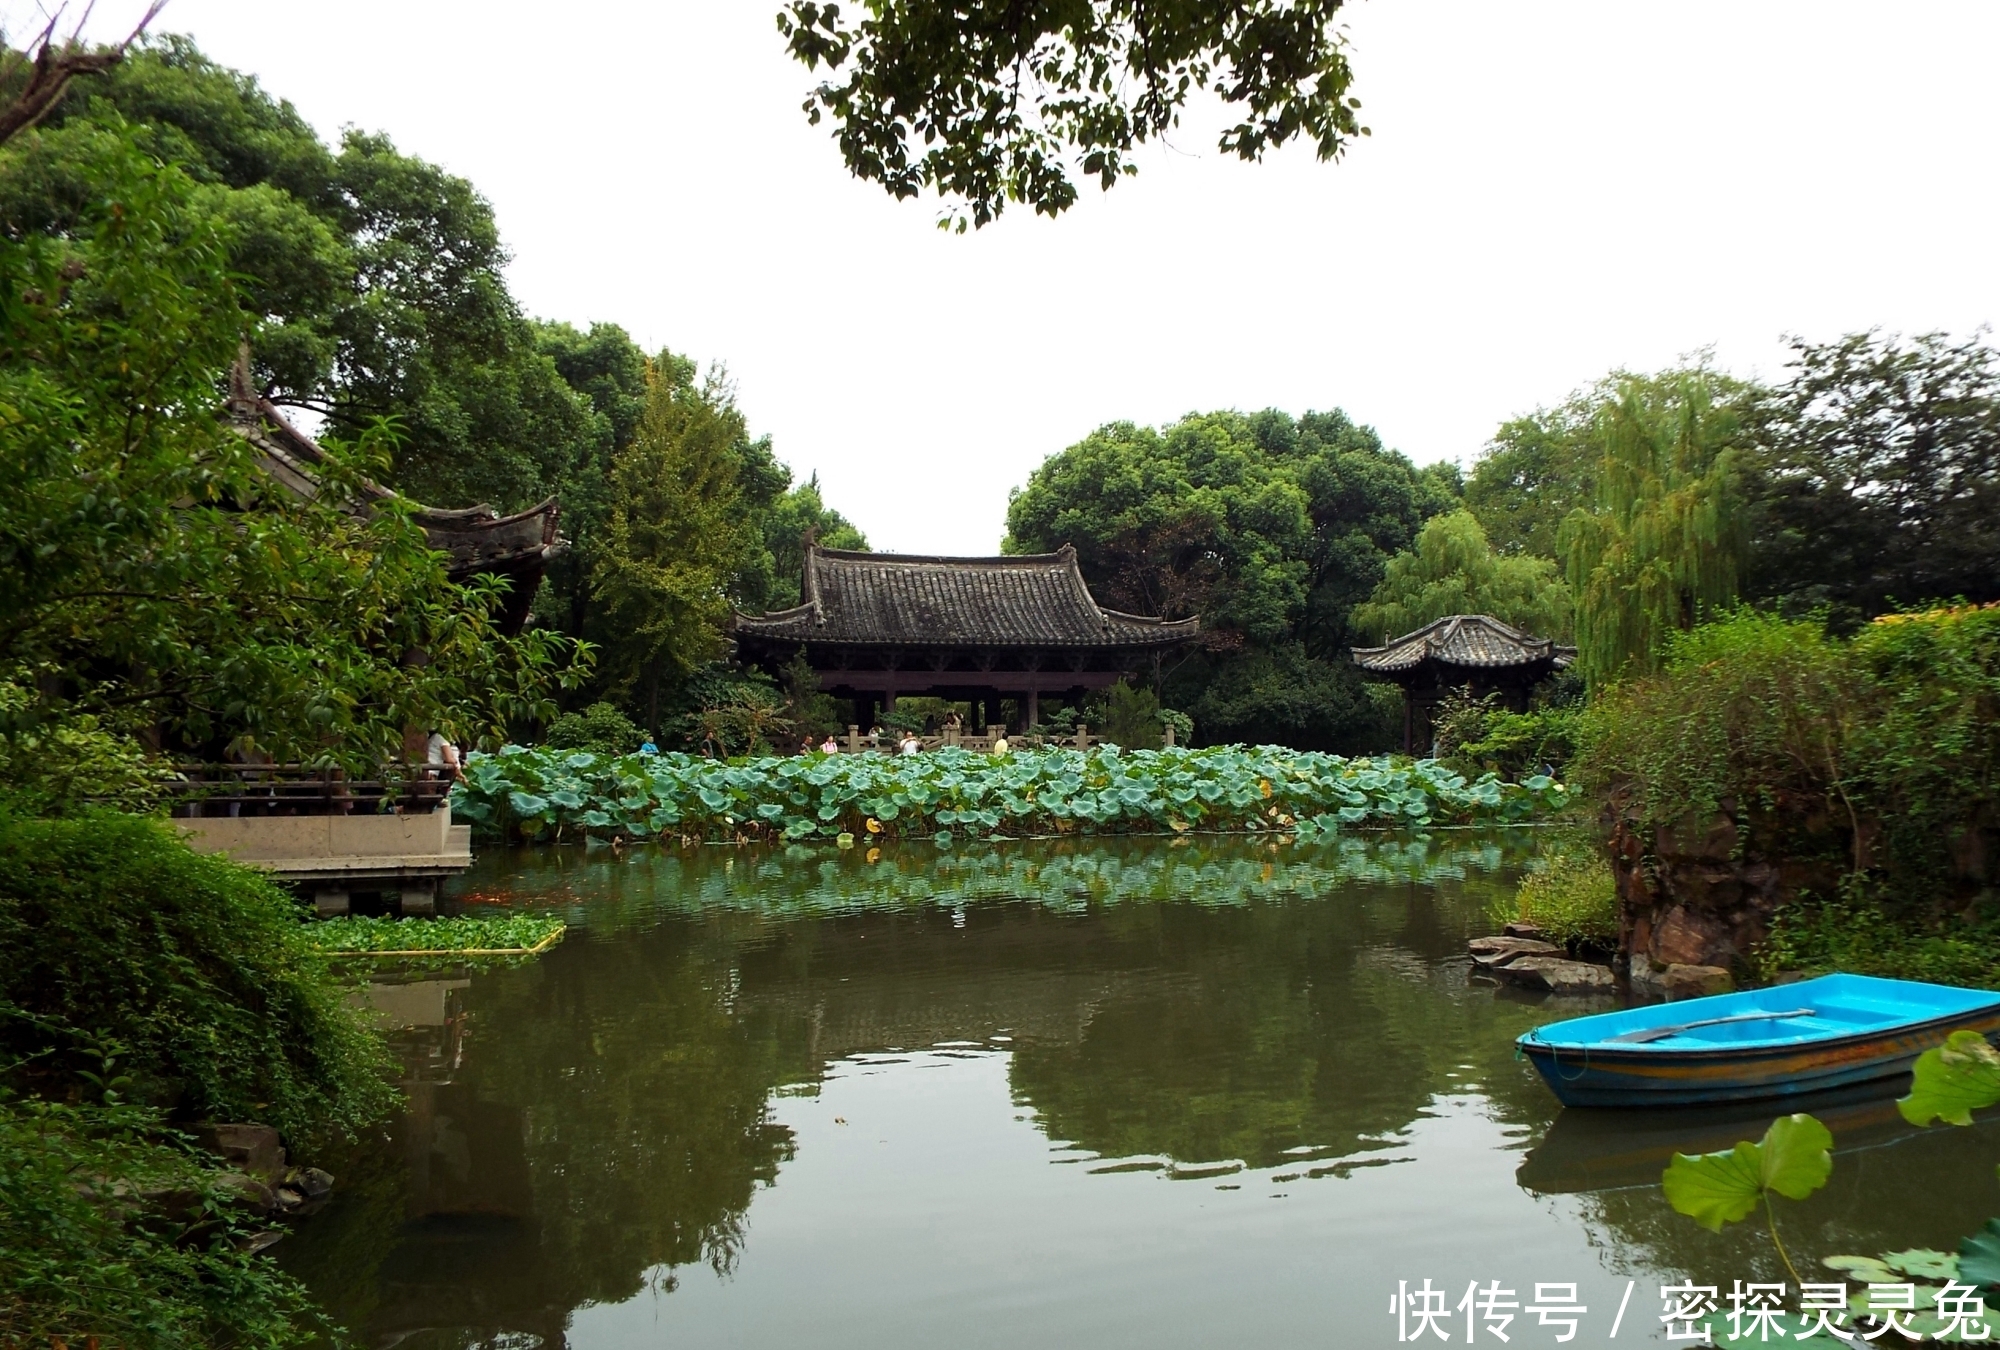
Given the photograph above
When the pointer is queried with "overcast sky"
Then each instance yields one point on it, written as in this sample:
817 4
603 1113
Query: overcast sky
1551 191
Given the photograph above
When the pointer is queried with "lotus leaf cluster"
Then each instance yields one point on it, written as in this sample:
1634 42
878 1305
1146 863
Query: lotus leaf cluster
532 794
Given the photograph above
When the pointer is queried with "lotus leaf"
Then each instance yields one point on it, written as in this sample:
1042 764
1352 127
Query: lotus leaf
1953 1080
1793 1159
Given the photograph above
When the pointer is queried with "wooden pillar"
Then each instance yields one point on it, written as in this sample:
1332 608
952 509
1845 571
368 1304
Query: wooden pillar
1409 722
1034 708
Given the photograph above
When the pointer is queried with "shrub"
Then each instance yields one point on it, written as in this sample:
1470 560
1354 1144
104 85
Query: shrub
1571 896
113 930
600 729
84 1260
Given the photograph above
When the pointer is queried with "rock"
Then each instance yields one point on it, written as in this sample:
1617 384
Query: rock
290 1198
1556 975
1492 952
1521 928
252 1243
1685 937
1683 981
246 1191
314 1183
253 1149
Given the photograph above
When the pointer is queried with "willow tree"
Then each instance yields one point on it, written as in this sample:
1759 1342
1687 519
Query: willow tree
1452 569
1662 548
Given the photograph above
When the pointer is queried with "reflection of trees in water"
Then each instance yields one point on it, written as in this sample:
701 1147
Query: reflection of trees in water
610 1120
1069 875
643 1098
1280 1028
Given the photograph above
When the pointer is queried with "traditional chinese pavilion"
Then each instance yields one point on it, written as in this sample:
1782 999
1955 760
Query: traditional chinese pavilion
874 626
476 539
1475 653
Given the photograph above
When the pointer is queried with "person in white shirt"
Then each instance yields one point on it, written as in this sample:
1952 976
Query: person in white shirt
911 745
439 751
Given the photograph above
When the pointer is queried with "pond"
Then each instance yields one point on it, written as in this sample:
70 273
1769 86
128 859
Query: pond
1136 1092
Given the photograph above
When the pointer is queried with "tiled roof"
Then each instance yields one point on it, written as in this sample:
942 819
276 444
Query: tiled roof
1477 641
900 599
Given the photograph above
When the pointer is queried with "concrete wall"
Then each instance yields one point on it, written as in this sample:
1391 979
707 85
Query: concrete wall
319 845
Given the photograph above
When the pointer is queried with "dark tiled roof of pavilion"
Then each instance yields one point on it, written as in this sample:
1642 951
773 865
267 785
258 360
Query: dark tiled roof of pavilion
901 599
1475 641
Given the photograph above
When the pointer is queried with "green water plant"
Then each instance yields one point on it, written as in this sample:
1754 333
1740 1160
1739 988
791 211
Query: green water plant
1569 894
1794 1159
474 935
539 794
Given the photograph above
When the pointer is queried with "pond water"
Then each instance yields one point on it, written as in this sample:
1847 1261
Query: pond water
1144 1093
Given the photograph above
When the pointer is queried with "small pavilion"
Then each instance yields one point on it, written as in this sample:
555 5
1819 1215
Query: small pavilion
874 626
1471 652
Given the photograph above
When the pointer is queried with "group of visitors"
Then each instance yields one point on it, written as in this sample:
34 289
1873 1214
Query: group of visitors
906 743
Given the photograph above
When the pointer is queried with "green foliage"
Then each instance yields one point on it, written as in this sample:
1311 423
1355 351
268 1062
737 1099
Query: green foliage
1272 528
1569 894
151 578
1953 1080
1453 570
1511 744
676 537
117 931
483 933
88 1256
1749 707
1101 79
1535 471
1878 757
1979 1257
1131 716
532 794
1792 1159
600 728
52 765
1877 477
1661 547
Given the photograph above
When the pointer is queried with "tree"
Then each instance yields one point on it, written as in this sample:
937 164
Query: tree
150 575
1536 470
677 537
1876 479
1662 548
1006 98
1272 528
1453 570
371 281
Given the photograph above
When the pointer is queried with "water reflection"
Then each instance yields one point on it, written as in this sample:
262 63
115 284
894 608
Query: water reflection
1035 1080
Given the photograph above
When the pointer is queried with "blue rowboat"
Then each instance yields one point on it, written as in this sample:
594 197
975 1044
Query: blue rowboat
1777 1042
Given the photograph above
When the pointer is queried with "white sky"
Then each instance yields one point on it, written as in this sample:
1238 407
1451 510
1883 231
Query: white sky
1551 190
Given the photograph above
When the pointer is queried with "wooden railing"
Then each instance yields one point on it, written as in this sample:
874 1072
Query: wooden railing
207 790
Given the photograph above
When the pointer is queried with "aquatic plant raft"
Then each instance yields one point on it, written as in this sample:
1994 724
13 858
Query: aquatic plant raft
529 794
487 935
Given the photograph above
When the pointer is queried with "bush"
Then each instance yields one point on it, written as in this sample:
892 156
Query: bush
1876 759
1515 745
600 729
114 931
1571 896
84 1260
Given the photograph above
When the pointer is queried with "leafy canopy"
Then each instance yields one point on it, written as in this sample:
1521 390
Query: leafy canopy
991 102
1877 481
1661 547
150 575
1453 570
1271 527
